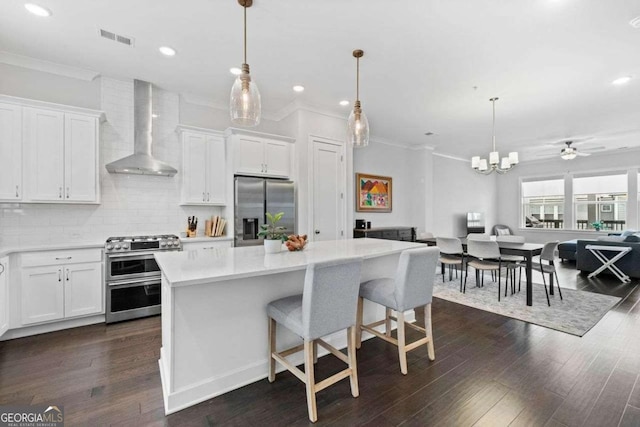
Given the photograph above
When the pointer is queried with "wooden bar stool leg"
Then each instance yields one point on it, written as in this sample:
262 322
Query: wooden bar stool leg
310 381
429 332
272 349
359 322
351 354
402 352
387 322
315 352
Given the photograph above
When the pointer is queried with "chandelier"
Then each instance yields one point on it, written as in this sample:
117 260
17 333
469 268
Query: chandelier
480 165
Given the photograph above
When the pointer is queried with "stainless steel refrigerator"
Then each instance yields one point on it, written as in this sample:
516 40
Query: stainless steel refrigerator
254 197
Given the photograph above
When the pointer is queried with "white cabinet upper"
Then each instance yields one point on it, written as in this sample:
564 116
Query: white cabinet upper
261 154
204 179
51 150
56 285
4 295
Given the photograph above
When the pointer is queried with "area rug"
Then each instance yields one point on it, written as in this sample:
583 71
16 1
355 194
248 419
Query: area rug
575 314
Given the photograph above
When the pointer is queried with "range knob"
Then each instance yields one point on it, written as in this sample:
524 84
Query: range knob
109 247
117 246
163 244
125 246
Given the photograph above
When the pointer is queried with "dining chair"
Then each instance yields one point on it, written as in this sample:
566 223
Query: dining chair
411 287
451 254
512 262
328 304
483 255
548 254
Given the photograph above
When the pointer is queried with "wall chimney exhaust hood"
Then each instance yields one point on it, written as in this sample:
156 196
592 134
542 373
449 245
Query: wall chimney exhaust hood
142 162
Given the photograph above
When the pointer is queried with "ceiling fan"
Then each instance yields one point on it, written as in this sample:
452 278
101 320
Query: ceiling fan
570 153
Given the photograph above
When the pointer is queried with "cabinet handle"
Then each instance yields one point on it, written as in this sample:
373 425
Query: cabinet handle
261 167
67 192
208 198
17 193
62 258
60 192
2 271
67 274
203 197
59 275
266 168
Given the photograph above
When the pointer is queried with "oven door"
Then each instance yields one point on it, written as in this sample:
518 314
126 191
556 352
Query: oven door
132 266
131 300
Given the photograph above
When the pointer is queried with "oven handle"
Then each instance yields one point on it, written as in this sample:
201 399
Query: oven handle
130 255
121 285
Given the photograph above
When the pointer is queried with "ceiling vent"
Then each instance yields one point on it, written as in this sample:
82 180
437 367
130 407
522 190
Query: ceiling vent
116 37
635 22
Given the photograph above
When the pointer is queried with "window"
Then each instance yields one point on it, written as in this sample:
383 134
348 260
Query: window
600 202
543 203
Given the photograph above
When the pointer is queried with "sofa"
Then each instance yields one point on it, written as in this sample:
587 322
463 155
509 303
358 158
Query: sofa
629 264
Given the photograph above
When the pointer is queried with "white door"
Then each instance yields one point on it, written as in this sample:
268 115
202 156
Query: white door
80 158
43 133
216 171
249 155
329 207
4 295
195 168
277 158
11 152
82 289
42 294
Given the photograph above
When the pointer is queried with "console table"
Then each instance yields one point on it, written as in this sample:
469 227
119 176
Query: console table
407 234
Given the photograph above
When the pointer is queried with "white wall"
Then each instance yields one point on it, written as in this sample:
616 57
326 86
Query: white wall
508 186
457 189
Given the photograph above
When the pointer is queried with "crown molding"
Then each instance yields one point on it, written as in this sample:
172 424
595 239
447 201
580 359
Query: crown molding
449 156
25 102
252 133
297 105
48 67
202 101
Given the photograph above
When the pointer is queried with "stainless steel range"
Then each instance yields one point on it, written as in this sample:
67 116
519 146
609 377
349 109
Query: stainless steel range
132 275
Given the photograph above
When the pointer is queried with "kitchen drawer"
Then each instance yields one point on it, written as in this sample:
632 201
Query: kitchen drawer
72 256
390 234
187 246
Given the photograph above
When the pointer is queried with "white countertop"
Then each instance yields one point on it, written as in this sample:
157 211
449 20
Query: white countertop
201 239
193 267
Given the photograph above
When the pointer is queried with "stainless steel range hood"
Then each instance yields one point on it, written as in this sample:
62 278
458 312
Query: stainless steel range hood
142 162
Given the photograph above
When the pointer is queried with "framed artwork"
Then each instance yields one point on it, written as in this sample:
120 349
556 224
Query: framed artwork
373 193
606 208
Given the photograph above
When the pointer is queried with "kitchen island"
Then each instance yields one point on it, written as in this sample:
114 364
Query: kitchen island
214 321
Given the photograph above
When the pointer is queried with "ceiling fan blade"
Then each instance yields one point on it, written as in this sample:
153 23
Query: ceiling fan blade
580 153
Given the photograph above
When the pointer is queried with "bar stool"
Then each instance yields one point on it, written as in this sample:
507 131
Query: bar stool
411 288
327 305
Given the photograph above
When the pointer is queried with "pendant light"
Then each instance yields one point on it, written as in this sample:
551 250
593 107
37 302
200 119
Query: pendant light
245 107
495 164
358 124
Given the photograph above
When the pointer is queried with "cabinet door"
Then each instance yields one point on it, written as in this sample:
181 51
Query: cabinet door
4 295
249 155
42 294
82 289
10 152
276 158
216 171
80 150
43 132
194 184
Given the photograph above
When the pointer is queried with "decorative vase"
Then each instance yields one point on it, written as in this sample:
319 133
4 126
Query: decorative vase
272 246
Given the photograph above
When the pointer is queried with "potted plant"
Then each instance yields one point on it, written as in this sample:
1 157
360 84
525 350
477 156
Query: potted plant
597 225
273 234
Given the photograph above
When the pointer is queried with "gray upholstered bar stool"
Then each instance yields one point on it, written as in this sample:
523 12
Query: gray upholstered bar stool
327 305
412 287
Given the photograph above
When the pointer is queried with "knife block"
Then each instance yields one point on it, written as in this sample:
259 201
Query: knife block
191 233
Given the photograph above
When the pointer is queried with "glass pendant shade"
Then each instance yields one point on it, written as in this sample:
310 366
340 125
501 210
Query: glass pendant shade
245 106
358 126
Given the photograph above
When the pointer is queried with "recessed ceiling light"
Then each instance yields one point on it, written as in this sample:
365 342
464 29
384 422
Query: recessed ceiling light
428 133
37 9
621 80
167 51
344 102
235 71
298 88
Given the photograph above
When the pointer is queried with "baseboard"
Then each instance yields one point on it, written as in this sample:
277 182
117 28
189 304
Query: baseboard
52 327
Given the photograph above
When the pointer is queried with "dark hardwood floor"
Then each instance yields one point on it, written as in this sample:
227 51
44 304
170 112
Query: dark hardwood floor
489 371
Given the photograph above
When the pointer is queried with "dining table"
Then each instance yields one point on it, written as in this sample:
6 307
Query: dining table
525 250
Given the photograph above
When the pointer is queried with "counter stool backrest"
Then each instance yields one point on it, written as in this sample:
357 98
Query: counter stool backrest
330 296
510 239
449 245
549 251
483 249
414 277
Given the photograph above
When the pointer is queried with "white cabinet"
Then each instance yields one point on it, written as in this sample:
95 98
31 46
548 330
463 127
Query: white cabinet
4 295
55 286
259 155
61 156
10 152
204 167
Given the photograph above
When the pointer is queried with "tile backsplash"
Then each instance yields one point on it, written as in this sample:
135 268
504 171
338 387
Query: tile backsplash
130 204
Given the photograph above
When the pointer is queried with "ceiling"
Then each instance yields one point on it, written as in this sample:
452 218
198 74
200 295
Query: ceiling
429 66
